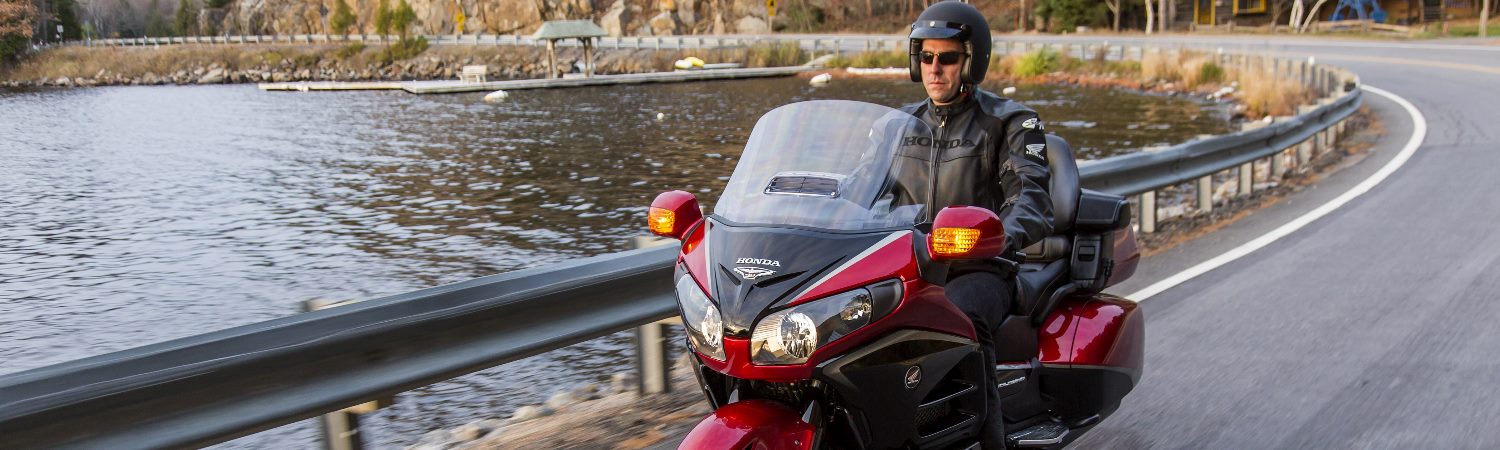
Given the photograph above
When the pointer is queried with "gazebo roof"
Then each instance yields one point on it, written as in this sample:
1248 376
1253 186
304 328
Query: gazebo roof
568 29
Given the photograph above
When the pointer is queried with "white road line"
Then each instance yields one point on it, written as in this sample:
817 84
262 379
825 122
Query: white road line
1419 133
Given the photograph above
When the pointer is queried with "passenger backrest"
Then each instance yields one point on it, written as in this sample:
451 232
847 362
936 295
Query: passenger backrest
1065 188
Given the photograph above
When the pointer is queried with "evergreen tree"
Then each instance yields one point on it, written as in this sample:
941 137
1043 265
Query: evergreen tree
186 21
64 12
343 17
402 18
383 19
156 25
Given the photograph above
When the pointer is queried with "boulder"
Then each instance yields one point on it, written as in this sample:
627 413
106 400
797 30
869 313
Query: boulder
436 437
529 412
215 76
687 12
664 24
751 25
622 382
616 19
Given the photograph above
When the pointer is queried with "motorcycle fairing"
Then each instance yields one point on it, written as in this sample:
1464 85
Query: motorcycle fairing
943 408
784 262
752 424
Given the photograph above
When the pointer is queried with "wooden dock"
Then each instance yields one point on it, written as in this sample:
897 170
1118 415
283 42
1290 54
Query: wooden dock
455 86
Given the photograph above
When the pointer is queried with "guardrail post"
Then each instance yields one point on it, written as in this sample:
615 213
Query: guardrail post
1148 212
1304 154
651 361
1247 178
1206 193
341 428
652 351
1278 167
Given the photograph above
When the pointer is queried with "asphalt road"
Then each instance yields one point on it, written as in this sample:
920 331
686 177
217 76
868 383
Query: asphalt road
1377 326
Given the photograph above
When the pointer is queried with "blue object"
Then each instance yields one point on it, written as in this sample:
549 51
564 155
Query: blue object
1363 9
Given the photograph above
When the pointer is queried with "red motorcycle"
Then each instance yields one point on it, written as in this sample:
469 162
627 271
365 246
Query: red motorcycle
813 295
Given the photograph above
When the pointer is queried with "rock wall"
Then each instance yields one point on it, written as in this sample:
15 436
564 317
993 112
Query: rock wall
617 17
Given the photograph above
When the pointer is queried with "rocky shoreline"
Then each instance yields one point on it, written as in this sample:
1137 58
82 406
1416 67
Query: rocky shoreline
201 65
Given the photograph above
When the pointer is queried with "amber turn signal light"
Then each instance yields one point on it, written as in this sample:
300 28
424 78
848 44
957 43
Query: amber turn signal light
661 220
954 242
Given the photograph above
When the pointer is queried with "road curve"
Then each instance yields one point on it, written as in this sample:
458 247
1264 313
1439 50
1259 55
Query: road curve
1374 326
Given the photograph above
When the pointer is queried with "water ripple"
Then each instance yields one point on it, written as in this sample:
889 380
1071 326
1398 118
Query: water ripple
136 215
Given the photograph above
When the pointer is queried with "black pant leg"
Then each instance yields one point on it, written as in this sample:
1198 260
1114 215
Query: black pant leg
986 298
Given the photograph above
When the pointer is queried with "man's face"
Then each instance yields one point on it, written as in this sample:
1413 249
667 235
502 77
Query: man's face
941 80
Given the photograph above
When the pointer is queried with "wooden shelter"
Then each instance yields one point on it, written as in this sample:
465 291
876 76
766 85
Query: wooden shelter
583 30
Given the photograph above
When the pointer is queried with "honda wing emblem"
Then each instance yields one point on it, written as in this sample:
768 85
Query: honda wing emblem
751 273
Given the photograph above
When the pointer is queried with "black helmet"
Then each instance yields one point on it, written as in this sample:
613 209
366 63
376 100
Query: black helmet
958 21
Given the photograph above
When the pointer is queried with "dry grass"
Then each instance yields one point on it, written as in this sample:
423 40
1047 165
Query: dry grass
75 62
1265 94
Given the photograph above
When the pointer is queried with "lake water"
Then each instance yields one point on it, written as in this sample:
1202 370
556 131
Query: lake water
133 215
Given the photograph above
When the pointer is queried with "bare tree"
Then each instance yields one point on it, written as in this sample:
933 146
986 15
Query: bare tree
1114 8
1278 9
1296 19
1149 18
1311 16
1484 19
1161 15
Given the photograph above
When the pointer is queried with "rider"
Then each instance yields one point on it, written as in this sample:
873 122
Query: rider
993 155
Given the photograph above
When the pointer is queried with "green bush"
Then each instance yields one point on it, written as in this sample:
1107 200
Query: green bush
1038 62
1068 15
307 60
775 55
1210 72
348 51
271 58
871 60
881 59
402 49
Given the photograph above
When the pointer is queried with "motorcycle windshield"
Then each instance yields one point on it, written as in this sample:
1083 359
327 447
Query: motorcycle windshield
834 165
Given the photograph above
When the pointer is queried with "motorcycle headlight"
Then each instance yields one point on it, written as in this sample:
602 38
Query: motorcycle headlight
791 335
701 318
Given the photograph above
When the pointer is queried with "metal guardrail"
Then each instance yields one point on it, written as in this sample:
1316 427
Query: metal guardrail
214 387
1145 171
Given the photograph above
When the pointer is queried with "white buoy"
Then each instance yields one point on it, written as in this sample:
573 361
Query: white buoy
821 79
1009 90
496 96
661 116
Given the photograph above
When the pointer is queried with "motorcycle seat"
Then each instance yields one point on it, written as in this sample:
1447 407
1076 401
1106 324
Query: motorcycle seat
1035 282
1047 261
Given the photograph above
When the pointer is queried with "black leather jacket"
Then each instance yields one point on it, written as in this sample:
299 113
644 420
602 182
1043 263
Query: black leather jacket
991 152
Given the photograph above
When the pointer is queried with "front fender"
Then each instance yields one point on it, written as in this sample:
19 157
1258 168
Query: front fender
752 424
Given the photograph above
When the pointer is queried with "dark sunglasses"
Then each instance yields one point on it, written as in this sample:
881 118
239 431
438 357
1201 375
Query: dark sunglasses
944 58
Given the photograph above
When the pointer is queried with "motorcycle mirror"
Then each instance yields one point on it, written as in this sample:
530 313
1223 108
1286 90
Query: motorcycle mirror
965 232
673 213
